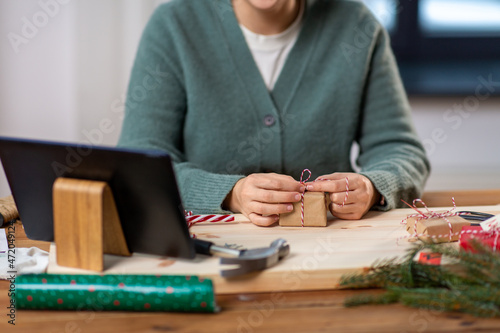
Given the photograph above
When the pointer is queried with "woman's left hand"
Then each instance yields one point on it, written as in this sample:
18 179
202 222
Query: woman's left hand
361 197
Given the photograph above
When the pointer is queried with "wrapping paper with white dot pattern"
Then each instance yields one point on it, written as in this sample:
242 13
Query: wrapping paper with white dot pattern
115 292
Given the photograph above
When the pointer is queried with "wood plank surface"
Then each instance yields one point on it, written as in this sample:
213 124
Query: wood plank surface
312 311
318 256
305 311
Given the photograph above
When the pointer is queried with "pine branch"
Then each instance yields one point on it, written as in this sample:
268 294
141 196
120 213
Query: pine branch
487 293
480 262
387 298
373 277
448 300
471 286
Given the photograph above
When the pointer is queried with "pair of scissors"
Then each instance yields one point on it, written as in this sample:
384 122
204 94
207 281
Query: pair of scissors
475 216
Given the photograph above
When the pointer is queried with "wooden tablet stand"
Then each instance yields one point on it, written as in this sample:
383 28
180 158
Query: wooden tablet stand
86 224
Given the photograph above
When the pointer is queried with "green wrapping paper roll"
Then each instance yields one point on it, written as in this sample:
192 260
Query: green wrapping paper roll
115 292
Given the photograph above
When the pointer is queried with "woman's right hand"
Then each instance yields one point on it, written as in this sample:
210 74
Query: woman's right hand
263 196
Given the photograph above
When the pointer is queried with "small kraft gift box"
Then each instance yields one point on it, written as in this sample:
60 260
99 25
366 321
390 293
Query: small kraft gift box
315 210
437 229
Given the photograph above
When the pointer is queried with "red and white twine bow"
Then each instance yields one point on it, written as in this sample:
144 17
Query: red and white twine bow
194 219
429 214
303 182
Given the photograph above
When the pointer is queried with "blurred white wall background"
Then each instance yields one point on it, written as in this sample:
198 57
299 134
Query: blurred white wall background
64 67
67 71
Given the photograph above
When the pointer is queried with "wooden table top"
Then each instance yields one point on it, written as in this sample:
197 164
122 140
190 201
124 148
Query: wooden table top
295 311
319 256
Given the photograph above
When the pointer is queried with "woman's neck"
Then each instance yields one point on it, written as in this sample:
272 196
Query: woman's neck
270 21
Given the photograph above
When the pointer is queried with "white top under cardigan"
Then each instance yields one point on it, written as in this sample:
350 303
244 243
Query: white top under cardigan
270 51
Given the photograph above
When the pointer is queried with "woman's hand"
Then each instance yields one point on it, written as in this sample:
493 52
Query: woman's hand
263 196
362 194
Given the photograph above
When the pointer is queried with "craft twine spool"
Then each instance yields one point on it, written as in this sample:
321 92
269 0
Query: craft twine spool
8 210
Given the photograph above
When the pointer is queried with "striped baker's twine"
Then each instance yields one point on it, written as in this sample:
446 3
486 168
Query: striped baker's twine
303 182
192 219
429 214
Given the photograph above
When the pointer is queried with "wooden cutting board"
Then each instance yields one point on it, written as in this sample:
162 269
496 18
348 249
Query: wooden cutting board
318 256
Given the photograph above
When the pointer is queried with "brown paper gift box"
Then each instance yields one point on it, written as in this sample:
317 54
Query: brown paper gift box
437 227
315 209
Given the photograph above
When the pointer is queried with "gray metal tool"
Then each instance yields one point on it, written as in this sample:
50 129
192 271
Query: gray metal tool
247 260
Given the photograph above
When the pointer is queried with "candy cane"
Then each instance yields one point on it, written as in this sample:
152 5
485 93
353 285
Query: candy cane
194 219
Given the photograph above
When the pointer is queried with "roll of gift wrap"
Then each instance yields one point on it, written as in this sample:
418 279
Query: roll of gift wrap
115 292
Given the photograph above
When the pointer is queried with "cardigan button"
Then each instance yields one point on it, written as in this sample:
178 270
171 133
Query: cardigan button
269 120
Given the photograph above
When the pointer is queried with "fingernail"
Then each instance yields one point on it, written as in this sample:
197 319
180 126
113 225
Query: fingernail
276 218
301 189
309 187
297 197
289 208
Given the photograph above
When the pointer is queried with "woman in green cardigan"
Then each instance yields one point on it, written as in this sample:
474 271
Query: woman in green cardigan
245 94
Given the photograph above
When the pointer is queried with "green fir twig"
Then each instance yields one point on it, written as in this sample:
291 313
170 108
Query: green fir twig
470 286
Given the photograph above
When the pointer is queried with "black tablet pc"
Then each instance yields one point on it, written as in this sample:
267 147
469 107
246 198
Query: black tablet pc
143 185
